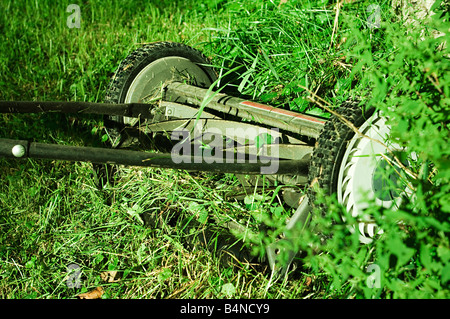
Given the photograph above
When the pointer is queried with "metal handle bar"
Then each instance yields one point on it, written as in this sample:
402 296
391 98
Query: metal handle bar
24 149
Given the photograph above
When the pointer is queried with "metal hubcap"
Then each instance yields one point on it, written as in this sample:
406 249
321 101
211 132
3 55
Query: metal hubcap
155 75
366 174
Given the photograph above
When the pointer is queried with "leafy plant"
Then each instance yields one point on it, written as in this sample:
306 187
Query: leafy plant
398 68
403 70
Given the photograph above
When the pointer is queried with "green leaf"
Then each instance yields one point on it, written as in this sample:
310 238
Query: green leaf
203 216
228 289
165 274
98 259
399 249
425 256
31 263
445 274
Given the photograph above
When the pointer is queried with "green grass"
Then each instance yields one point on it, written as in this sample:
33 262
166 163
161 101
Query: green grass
52 214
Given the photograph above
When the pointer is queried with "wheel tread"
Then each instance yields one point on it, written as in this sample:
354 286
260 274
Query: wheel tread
329 149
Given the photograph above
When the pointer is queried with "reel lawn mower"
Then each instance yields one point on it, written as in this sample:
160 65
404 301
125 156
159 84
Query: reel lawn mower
163 97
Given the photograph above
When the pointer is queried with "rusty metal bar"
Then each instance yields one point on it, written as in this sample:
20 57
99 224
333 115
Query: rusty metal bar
23 149
182 93
129 110
284 119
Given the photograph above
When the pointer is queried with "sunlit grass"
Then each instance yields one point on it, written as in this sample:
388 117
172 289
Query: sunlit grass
149 225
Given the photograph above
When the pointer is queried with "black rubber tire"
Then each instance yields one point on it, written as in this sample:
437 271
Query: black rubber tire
330 148
130 67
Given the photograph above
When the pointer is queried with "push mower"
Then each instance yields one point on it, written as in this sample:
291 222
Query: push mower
164 96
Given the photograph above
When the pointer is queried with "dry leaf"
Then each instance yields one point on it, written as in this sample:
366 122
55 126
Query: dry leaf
109 276
94 294
308 281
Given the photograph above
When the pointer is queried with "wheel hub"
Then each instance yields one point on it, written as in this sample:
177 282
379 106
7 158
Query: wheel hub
385 182
144 87
368 173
